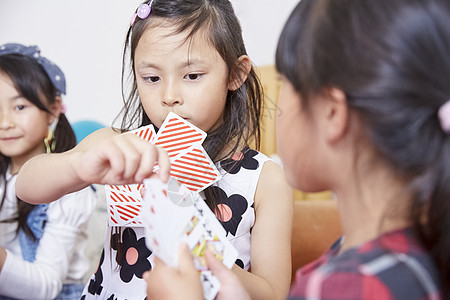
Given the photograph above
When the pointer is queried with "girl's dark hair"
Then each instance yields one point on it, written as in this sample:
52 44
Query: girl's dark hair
392 60
32 82
241 117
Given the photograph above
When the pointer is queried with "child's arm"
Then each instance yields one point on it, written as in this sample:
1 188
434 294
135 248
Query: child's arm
58 250
104 157
270 275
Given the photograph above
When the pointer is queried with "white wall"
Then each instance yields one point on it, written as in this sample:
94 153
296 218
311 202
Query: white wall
85 38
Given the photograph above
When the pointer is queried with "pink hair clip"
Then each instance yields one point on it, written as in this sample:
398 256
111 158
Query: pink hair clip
142 12
444 116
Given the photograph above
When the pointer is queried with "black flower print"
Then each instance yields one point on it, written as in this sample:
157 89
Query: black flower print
239 263
95 285
230 210
244 160
133 260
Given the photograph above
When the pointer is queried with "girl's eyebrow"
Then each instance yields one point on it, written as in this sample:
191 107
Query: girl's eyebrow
193 62
187 63
144 64
18 97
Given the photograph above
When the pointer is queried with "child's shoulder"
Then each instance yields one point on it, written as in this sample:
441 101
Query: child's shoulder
272 184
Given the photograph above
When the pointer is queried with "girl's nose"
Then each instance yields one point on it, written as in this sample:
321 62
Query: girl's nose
171 95
6 121
170 101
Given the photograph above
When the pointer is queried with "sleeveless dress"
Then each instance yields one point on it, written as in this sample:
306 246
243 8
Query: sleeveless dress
121 278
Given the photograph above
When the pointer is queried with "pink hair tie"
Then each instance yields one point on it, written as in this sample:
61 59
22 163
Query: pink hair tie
444 116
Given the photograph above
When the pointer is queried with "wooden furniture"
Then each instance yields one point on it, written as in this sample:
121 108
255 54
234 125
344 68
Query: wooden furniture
316 227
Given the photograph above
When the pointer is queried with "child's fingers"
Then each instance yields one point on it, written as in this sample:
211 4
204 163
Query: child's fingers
104 163
142 191
146 275
132 149
231 287
164 164
160 271
151 155
158 263
139 158
185 260
216 266
158 280
122 159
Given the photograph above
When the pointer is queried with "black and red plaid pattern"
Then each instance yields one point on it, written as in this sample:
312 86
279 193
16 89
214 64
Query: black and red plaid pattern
393 266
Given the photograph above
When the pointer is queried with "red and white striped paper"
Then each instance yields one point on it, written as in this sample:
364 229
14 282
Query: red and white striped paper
190 165
176 135
194 169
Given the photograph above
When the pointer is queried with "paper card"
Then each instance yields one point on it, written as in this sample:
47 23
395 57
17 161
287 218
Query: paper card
124 215
211 285
180 215
160 217
176 135
146 133
214 234
155 239
190 165
124 204
194 169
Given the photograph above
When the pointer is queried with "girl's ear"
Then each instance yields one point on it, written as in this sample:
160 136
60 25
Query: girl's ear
239 73
336 114
55 110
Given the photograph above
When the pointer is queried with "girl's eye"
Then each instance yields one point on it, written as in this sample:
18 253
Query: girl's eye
193 76
19 107
151 79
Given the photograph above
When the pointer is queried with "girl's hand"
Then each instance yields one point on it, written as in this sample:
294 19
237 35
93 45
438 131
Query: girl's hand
165 282
121 159
230 286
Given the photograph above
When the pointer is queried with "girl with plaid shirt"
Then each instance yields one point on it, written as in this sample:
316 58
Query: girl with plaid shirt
365 105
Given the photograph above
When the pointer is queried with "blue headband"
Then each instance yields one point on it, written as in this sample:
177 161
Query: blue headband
53 71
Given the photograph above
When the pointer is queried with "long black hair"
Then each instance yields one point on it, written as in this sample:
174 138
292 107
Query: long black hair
32 82
392 60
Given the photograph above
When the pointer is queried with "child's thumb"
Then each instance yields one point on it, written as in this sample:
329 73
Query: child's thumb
185 259
216 266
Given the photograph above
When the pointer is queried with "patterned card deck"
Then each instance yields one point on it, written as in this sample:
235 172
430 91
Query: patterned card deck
190 165
172 214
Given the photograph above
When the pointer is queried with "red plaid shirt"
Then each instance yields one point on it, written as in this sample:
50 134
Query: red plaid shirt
394 266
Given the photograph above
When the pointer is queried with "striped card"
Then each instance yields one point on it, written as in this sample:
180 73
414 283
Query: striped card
190 165
177 135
